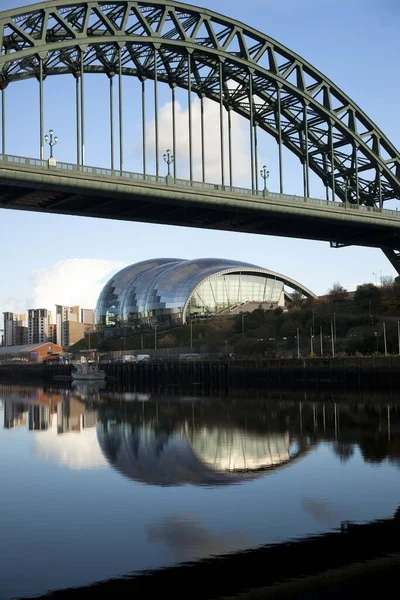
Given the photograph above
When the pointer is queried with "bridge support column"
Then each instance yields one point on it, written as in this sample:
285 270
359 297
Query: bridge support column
280 141
251 127
306 158
221 120
156 110
203 167
256 154
173 86
41 126
144 124
332 152
394 257
230 145
78 120
111 123
189 66
3 121
82 94
120 113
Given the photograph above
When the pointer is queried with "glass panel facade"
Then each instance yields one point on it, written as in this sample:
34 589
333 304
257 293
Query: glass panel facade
231 291
166 291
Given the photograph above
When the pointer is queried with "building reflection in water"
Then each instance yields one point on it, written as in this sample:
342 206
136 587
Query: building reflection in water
55 418
162 455
39 407
166 441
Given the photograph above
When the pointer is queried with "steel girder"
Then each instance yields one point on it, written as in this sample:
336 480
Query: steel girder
291 100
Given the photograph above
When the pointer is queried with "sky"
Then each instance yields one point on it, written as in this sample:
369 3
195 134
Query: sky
51 259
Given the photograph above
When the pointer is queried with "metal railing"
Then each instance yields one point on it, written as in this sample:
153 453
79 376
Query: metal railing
259 194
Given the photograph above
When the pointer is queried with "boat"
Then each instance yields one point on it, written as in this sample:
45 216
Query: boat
86 371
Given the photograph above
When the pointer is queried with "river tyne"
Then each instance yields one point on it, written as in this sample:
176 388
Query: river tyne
104 486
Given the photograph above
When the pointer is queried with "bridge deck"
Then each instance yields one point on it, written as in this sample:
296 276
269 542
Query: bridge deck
31 184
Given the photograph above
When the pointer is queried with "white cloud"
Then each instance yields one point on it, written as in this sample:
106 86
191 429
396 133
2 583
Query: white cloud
76 281
13 304
240 141
72 450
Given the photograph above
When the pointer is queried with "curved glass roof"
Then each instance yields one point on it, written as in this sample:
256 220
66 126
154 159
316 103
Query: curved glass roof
160 290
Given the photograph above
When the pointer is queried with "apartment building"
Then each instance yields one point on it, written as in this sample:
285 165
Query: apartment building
64 316
38 325
15 330
71 324
87 316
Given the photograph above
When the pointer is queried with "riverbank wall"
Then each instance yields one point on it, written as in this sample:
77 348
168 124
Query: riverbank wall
315 373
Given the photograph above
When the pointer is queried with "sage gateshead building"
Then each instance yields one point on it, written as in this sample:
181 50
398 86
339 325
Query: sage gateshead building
169 292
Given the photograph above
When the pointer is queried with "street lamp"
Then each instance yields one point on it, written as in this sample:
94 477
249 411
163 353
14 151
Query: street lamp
376 334
51 141
265 175
169 159
348 187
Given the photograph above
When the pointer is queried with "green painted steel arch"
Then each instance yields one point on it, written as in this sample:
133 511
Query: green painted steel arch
291 100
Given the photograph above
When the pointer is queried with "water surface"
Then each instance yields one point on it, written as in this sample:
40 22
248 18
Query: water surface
99 483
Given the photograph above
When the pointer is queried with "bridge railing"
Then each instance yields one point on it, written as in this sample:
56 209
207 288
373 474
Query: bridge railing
260 194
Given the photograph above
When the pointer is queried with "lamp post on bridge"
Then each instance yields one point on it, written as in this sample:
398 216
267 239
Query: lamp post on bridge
349 187
169 159
51 141
265 175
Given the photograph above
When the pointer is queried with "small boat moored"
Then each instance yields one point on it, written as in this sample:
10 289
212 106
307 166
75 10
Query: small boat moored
88 371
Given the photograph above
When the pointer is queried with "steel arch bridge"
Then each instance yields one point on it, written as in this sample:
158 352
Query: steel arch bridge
213 57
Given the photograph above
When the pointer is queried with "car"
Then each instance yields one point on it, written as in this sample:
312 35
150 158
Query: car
189 357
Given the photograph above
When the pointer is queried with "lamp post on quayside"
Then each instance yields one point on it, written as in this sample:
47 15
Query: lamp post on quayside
51 141
169 159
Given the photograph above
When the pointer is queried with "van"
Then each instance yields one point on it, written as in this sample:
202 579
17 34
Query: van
128 358
143 357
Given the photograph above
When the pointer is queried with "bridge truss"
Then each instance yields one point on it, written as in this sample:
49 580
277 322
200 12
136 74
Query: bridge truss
214 57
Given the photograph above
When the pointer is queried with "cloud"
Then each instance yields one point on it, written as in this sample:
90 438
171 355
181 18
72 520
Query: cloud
320 510
240 141
13 304
75 451
189 539
76 281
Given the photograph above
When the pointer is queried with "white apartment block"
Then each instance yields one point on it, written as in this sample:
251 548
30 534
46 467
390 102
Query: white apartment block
38 325
12 328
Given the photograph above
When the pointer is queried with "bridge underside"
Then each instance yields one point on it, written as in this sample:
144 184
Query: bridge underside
50 191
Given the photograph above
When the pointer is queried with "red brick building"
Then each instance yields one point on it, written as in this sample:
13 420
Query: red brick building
30 353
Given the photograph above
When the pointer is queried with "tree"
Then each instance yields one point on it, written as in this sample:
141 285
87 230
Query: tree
218 330
297 299
367 296
387 281
167 341
390 294
337 293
